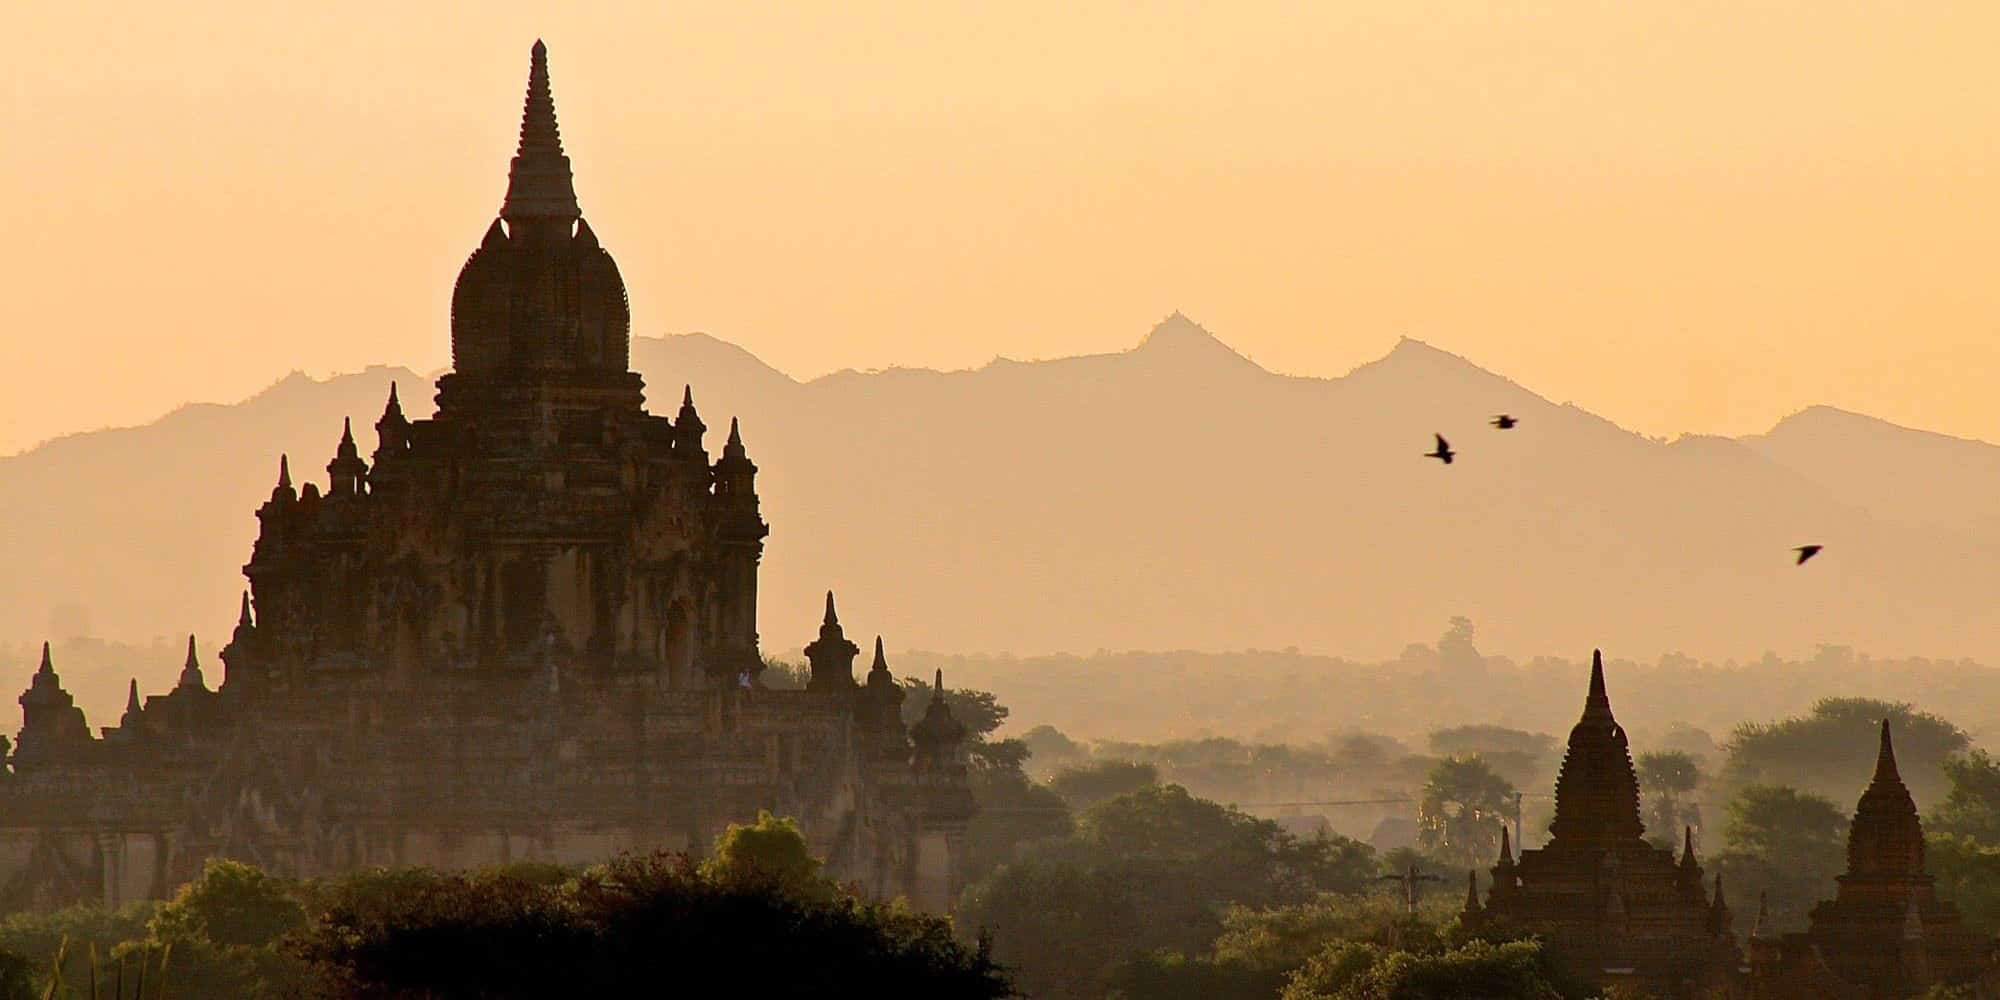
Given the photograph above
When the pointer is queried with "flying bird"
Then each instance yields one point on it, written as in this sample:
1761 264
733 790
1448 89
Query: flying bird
1443 453
1806 552
1505 422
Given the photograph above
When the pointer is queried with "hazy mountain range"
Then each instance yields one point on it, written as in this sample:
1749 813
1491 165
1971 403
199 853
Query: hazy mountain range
1171 496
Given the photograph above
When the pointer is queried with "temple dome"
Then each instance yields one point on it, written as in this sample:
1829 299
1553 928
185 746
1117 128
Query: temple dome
539 292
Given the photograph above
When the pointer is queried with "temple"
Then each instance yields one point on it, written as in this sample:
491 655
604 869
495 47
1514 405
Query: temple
522 629
1885 933
1616 910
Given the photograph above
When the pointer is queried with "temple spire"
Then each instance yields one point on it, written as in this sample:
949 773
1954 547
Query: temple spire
831 618
1886 839
1885 758
1506 846
540 187
48 664
1687 848
1597 704
1471 891
131 703
243 615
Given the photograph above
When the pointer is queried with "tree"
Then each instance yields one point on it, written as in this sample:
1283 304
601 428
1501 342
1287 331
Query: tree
1462 811
634 927
1516 970
1668 778
1049 750
1783 842
1971 807
1148 870
770 852
1013 811
1059 924
1830 751
1099 780
1968 874
231 904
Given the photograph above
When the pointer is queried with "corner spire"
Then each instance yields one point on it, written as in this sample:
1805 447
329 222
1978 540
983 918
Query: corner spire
1506 846
191 672
131 703
539 184
831 618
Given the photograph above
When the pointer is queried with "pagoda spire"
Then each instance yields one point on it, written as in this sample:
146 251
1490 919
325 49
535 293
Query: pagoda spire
1886 839
243 616
540 187
1506 846
1687 848
48 663
131 704
1597 790
1471 891
832 617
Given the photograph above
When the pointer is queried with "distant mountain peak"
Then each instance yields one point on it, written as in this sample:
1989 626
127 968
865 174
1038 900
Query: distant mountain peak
1178 335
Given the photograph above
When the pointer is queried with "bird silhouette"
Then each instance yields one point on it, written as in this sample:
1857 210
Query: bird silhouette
1505 422
1806 552
1443 453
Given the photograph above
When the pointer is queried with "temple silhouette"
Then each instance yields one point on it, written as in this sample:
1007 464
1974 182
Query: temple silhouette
523 629
1620 912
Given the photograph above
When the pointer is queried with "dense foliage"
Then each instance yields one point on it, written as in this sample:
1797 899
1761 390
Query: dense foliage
758 908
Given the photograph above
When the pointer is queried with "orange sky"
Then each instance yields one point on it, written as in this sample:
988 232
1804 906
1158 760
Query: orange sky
1682 215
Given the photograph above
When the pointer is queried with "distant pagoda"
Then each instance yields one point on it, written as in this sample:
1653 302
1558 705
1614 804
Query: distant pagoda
1885 933
1614 908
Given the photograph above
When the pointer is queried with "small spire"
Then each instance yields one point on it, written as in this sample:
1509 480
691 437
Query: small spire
1506 847
394 403
1719 903
881 662
347 432
687 396
1687 848
735 435
191 672
284 472
831 618
1760 927
48 664
131 702
243 616
1471 891
937 689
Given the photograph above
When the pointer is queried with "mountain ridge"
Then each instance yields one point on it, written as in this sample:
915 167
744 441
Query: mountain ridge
1173 495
